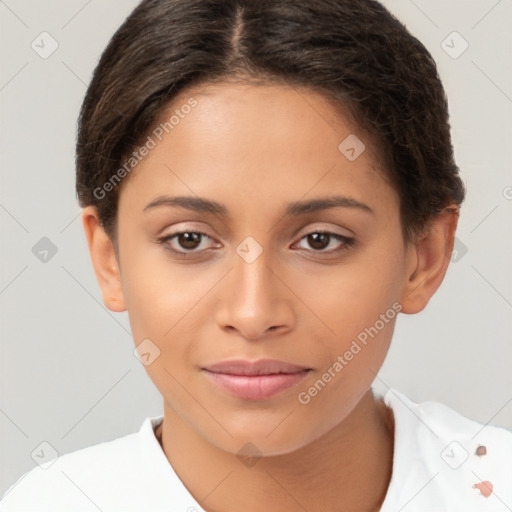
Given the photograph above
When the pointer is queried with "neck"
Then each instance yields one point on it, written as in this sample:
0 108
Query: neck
347 468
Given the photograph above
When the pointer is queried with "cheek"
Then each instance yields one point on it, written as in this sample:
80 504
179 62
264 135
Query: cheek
159 292
170 305
361 312
351 296
358 302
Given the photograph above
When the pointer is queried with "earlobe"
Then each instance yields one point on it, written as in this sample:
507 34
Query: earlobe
104 260
428 260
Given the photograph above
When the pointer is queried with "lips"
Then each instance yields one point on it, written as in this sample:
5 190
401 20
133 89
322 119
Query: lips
255 380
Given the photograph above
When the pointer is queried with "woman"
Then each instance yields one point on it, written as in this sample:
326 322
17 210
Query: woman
266 186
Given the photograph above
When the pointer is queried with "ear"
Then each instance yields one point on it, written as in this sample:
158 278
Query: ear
104 260
427 260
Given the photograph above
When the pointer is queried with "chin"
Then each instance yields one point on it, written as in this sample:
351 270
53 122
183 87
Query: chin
280 439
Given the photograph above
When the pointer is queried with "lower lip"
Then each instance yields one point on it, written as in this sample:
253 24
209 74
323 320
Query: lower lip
256 387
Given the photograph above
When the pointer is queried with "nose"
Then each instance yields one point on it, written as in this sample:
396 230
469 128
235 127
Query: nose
255 301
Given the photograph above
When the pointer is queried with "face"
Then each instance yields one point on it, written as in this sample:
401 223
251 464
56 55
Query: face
267 272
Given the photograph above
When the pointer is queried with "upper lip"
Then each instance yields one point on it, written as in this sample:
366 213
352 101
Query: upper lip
260 367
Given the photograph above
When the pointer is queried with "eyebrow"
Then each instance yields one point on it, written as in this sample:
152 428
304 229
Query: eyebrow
296 208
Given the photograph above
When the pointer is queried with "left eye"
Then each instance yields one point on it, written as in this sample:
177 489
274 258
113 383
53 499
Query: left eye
319 240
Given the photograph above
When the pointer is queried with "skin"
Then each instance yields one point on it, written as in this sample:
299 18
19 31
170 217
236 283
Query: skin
255 149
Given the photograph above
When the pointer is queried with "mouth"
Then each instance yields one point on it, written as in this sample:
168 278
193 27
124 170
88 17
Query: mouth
255 380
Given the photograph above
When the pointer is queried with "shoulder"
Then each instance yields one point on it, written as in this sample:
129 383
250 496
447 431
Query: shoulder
462 464
86 479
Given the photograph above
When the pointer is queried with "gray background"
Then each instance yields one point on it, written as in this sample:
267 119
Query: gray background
68 374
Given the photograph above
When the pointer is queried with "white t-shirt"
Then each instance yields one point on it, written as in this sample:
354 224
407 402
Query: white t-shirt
435 468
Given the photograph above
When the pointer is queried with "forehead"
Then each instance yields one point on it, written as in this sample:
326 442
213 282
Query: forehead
244 141
263 116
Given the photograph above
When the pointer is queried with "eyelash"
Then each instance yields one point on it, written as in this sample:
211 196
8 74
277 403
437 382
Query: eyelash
347 242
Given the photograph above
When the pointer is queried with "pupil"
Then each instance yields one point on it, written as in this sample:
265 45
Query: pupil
314 238
189 242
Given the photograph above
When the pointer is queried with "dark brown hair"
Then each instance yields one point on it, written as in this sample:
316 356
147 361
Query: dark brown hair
354 52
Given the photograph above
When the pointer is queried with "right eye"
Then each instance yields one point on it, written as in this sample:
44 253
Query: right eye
189 241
